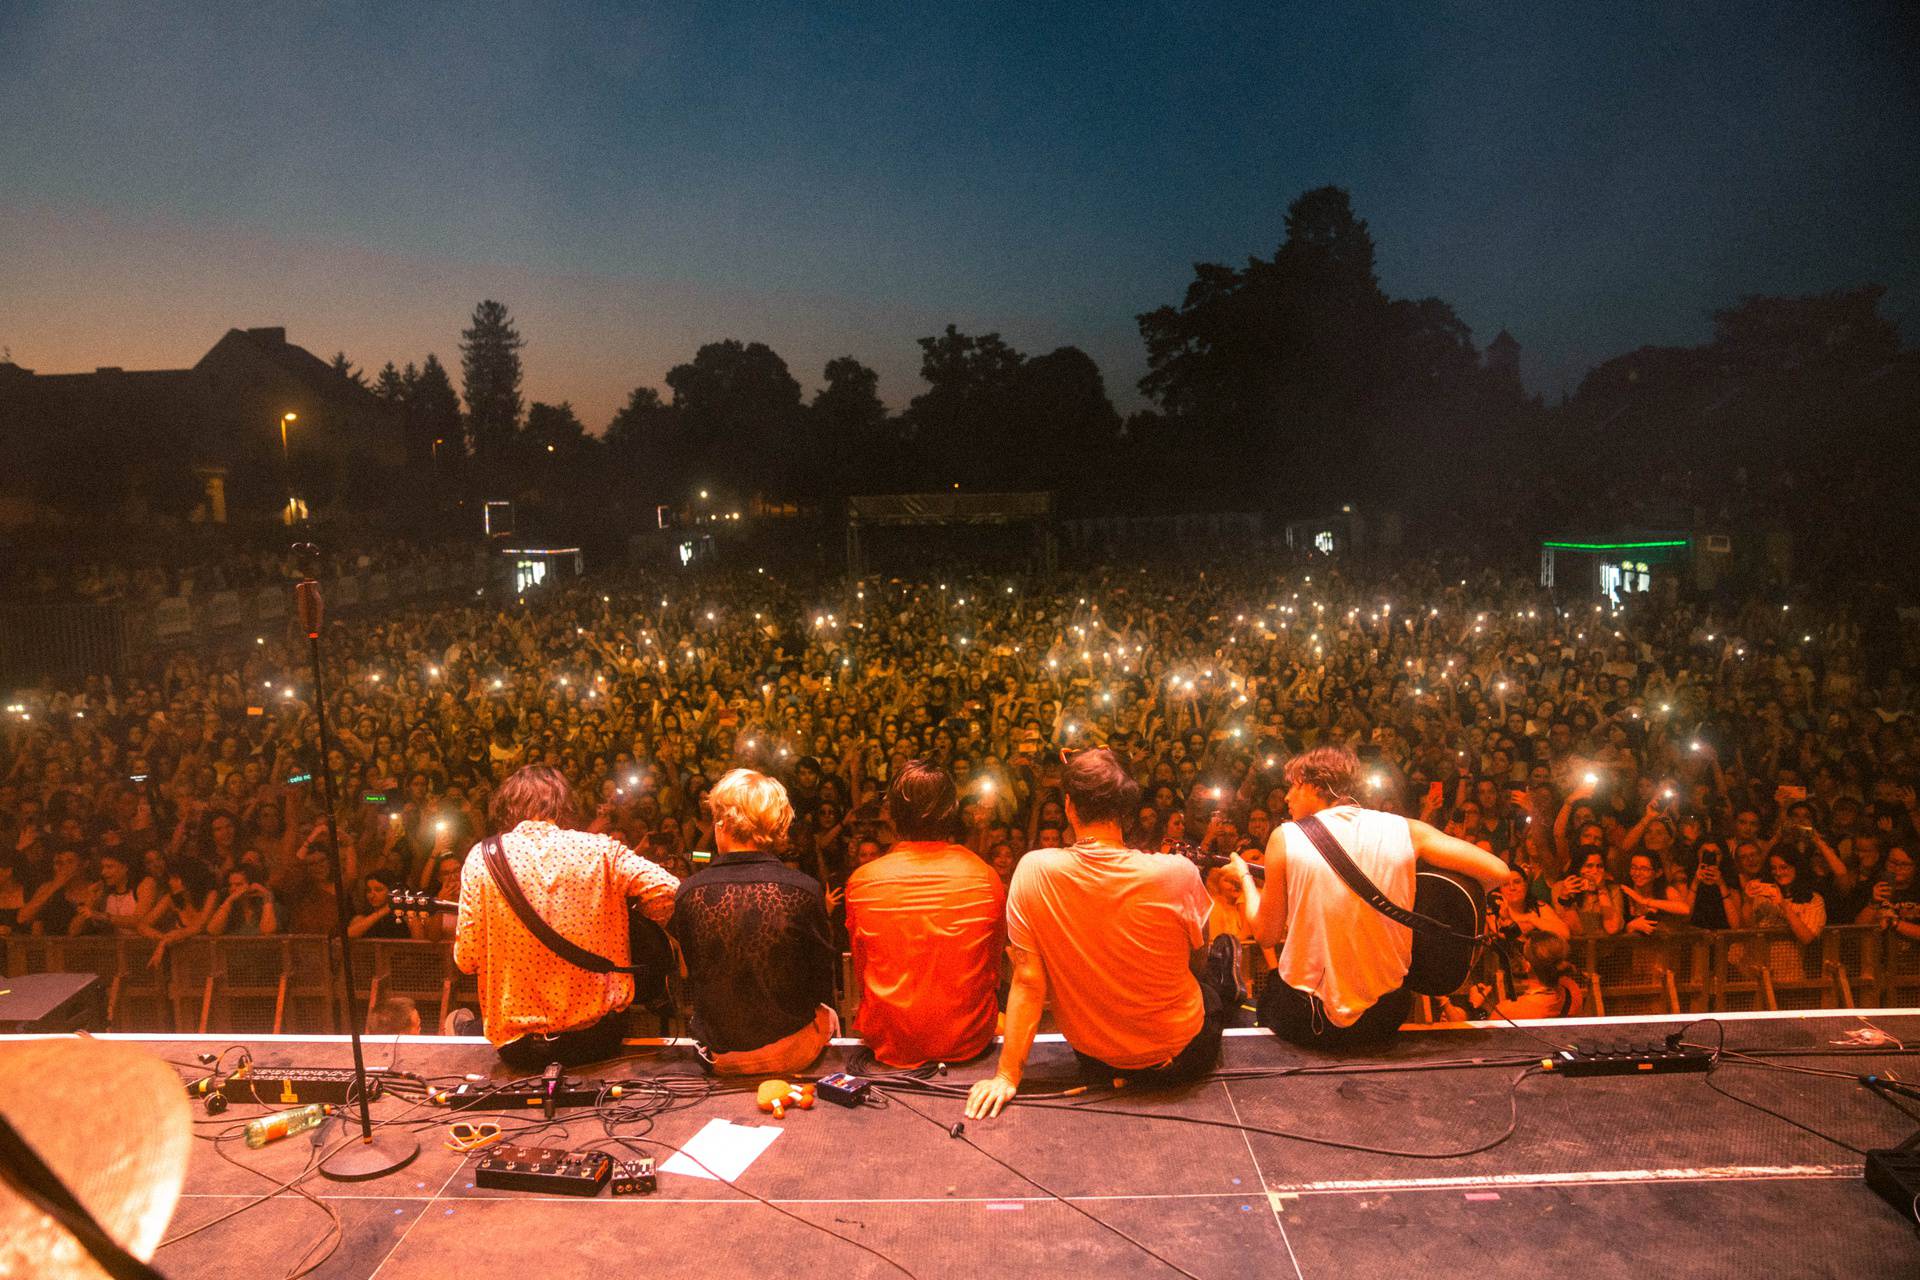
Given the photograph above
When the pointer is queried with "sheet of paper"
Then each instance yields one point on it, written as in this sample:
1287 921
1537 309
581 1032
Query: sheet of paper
723 1147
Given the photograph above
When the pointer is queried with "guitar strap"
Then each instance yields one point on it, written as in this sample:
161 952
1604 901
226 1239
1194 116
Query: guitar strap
1349 871
497 866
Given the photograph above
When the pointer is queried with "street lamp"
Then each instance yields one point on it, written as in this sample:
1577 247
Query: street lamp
292 513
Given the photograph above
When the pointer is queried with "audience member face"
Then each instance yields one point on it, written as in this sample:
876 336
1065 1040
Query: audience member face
1003 863
1643 872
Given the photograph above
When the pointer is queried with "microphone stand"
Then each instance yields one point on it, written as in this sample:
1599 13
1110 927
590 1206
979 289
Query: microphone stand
370 1157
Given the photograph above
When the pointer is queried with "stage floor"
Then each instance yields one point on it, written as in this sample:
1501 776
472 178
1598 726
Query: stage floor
1635 1176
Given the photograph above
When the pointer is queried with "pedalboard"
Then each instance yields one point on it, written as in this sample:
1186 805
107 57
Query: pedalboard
549 1170
288 1086
634 1178
848 1091
481 1096
1628 1060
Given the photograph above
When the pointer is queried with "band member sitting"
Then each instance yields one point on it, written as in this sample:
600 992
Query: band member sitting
753 933
1343 966
925 923
535 1007
1118 939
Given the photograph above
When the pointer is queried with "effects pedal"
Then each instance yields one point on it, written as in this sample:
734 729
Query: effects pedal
848 1091
544 1169
1628 1060
634 1178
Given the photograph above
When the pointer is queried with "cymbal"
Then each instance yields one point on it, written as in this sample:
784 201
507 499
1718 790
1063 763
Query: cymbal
113 1122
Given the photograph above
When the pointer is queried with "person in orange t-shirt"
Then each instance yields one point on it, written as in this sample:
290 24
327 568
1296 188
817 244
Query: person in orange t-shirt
926 924
1118 939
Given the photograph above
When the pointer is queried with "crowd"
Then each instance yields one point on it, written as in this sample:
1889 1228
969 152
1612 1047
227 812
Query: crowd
1658 767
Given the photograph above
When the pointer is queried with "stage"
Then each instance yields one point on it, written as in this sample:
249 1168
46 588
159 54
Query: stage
1627 1176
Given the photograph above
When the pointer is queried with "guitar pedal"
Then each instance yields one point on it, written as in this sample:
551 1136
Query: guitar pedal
847 1090
634 1178
549 1170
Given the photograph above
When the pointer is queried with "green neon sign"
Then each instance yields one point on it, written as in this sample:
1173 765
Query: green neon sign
1613 546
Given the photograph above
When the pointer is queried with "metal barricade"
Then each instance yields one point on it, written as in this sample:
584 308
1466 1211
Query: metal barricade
1900 975
421 971
25 954
61 642
142 1003
190 974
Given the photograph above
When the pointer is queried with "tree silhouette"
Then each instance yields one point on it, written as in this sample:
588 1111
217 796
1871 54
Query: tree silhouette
646 443
1300 365
849 421
963 426
344 367
434 420
490 369
739 399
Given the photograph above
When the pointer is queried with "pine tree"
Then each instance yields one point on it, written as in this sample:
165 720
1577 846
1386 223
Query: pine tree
344 367
434 415
389 385
490 369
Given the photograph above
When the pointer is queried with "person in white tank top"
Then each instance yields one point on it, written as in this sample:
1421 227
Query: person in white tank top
1343 964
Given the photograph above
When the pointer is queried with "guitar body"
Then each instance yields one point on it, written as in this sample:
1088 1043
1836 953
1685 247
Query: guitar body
1442 962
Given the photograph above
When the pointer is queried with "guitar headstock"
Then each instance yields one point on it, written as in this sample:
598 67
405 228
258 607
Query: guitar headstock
1207 860
415 902
1198 855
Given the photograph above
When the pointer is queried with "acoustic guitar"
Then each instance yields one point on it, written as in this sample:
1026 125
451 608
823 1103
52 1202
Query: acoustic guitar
1449 913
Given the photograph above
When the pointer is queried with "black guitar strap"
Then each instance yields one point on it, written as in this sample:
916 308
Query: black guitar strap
1349 871
497 866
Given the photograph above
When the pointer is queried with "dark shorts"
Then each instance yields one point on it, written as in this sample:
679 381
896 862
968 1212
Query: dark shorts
1295 1016
529 1055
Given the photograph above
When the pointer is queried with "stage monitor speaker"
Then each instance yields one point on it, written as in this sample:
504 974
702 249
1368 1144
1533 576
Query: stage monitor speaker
53 1002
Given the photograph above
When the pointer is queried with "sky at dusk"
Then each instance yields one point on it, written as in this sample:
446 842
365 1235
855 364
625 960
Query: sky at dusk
634 180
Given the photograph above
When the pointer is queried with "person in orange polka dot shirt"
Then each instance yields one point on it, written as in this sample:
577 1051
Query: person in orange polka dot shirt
535 1007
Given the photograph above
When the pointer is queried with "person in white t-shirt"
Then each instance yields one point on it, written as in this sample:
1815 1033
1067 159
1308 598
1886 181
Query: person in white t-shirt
1343 965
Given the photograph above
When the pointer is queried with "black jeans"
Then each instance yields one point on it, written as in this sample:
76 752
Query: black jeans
1219 993
529 1055
1295 1016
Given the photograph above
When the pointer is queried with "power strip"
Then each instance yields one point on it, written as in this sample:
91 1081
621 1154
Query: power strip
547 1169
482 1096
1628 1060
292 1086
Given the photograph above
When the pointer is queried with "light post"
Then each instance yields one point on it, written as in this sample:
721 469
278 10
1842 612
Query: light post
286 467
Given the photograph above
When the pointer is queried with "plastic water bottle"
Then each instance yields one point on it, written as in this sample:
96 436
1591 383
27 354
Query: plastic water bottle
282 1123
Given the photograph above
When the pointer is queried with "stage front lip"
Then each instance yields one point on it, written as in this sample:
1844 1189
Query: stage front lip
1540 1025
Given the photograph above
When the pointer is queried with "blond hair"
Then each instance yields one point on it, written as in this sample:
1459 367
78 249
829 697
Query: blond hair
750 808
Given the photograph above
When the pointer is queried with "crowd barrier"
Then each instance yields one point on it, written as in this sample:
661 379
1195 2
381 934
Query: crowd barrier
289 984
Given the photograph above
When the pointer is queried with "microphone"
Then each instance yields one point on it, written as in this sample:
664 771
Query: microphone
306 598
